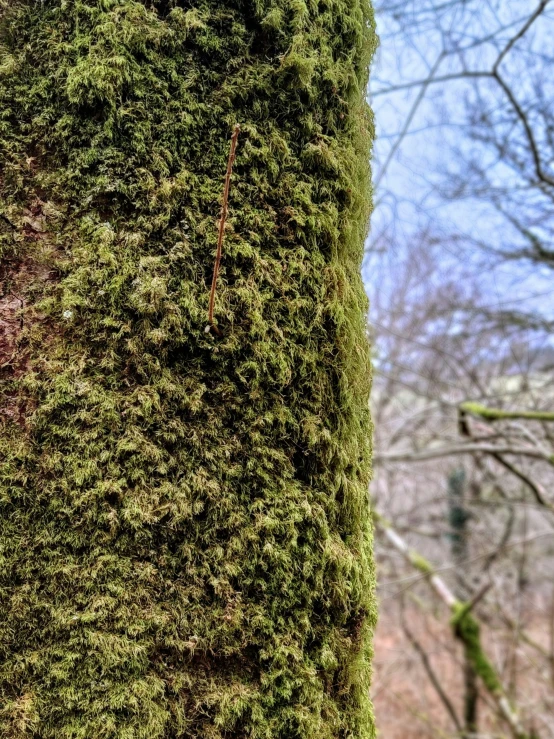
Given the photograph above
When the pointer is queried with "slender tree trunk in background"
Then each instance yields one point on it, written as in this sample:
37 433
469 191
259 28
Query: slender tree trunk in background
458 517
184 529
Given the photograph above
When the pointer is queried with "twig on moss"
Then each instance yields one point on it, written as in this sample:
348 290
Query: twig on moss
221 234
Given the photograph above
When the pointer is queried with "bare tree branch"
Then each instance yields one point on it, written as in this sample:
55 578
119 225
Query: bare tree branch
461 614
425 455
435 682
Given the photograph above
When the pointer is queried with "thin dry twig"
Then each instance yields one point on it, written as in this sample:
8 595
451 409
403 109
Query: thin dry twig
222 222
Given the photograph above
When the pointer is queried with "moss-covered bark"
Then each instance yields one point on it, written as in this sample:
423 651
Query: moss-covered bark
184 533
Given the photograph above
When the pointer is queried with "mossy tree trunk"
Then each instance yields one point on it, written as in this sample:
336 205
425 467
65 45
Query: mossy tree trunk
184 534
458 517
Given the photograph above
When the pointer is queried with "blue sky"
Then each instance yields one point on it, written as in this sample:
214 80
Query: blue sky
410 194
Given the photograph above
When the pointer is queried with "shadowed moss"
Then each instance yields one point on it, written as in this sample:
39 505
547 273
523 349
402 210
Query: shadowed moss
184 532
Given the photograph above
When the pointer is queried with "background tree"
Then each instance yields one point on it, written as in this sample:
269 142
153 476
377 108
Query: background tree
184 535
428 361
459 276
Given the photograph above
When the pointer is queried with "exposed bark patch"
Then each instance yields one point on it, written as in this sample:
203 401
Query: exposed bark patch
12 303
20 281
10 326
13 357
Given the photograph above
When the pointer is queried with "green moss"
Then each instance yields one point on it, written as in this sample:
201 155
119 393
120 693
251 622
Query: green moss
498 414
422 564
467 630
184 533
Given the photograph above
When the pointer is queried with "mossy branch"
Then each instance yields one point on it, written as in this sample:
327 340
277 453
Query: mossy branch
467 629
497 414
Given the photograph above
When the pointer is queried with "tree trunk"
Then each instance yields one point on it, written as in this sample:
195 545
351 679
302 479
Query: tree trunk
458 517
184 531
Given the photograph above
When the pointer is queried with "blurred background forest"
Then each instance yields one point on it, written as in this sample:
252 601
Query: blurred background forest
460 268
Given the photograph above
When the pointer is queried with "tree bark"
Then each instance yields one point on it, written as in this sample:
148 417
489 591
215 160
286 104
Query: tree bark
185 545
